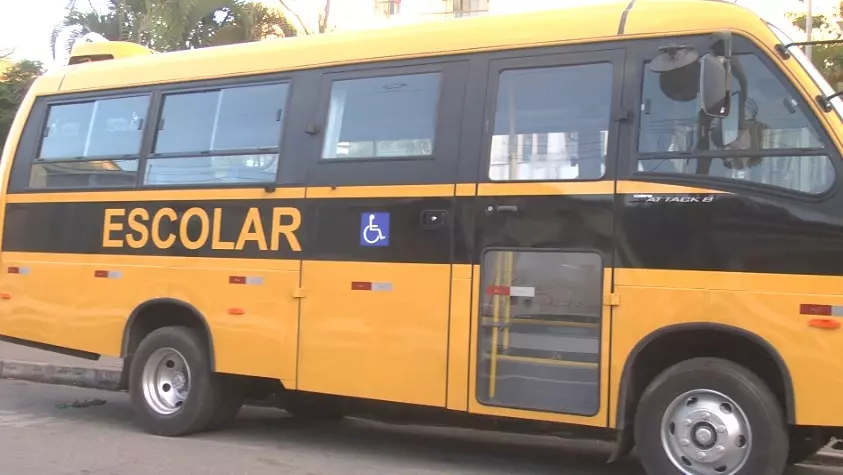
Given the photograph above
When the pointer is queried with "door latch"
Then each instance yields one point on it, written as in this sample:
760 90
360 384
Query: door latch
492 209
434 218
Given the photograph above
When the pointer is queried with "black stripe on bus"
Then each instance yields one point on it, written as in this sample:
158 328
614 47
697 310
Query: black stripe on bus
737 233
253 229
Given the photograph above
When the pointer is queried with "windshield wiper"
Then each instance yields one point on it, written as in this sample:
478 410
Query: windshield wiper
783 49
825 101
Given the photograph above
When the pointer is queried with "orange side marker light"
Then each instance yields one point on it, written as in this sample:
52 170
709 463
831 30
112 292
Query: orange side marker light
236 311
6 296
824 323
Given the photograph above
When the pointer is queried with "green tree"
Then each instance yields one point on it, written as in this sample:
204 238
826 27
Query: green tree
251 22
14 83
170 25
828 59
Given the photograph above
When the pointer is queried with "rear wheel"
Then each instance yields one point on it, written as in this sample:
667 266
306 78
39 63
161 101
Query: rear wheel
172 388
709 416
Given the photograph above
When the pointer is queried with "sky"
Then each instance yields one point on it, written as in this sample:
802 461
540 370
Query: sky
25 25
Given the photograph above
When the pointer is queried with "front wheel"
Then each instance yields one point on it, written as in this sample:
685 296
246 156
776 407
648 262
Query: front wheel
172 388
709 416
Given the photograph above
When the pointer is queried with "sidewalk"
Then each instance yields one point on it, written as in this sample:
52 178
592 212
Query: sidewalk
29 364
20 362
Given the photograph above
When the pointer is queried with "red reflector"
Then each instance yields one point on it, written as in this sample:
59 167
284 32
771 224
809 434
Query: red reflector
101 273
236 311
826 323
14 270
6 296
236 279
814 309
497 290
361 286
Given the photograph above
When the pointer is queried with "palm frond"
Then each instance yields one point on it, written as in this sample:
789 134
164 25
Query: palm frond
253 22
77 24
167 25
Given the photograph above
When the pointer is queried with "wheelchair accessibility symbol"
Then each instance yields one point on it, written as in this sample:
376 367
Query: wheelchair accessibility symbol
374 229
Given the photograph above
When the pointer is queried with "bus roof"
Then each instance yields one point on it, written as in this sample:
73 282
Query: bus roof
87 52
604 22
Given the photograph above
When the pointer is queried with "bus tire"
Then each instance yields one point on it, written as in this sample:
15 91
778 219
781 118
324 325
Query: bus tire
230 402
712 414
172 389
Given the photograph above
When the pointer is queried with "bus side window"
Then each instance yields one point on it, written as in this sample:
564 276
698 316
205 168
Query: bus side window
764 116
552 123
382 117
222 136
93 144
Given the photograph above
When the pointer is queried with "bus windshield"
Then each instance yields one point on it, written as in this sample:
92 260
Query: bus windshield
809 67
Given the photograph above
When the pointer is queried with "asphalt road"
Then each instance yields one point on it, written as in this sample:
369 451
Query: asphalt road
42 433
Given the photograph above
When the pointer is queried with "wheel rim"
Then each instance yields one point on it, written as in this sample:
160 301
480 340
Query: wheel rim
705 432
166 381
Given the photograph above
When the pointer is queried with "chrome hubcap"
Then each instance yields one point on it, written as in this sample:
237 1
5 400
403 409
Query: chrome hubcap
704 432
704 436
166 381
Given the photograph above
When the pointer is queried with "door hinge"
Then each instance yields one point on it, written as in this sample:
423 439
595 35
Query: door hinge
612 300
299 293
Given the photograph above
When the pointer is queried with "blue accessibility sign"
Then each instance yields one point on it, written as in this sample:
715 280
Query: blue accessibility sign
374 229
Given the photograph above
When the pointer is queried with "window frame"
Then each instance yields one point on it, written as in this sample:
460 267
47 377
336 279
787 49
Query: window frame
227 152
353 77
437 168
463 7
93 158
216 86
540 58
640 51
605 261
30 142
387 8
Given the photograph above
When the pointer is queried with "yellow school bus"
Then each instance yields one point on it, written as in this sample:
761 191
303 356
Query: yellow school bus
625 219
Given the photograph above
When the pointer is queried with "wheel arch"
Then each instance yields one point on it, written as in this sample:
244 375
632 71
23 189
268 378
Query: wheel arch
149 316
627 375
631 388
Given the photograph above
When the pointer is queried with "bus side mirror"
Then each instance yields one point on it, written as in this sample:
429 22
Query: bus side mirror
726 130
715 76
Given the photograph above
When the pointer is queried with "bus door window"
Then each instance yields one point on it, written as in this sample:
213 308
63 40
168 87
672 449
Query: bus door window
543 133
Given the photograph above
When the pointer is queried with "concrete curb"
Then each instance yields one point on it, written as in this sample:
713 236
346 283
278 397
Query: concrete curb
826 457
109 379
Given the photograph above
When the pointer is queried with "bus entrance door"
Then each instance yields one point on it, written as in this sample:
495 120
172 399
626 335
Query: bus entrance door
544 237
